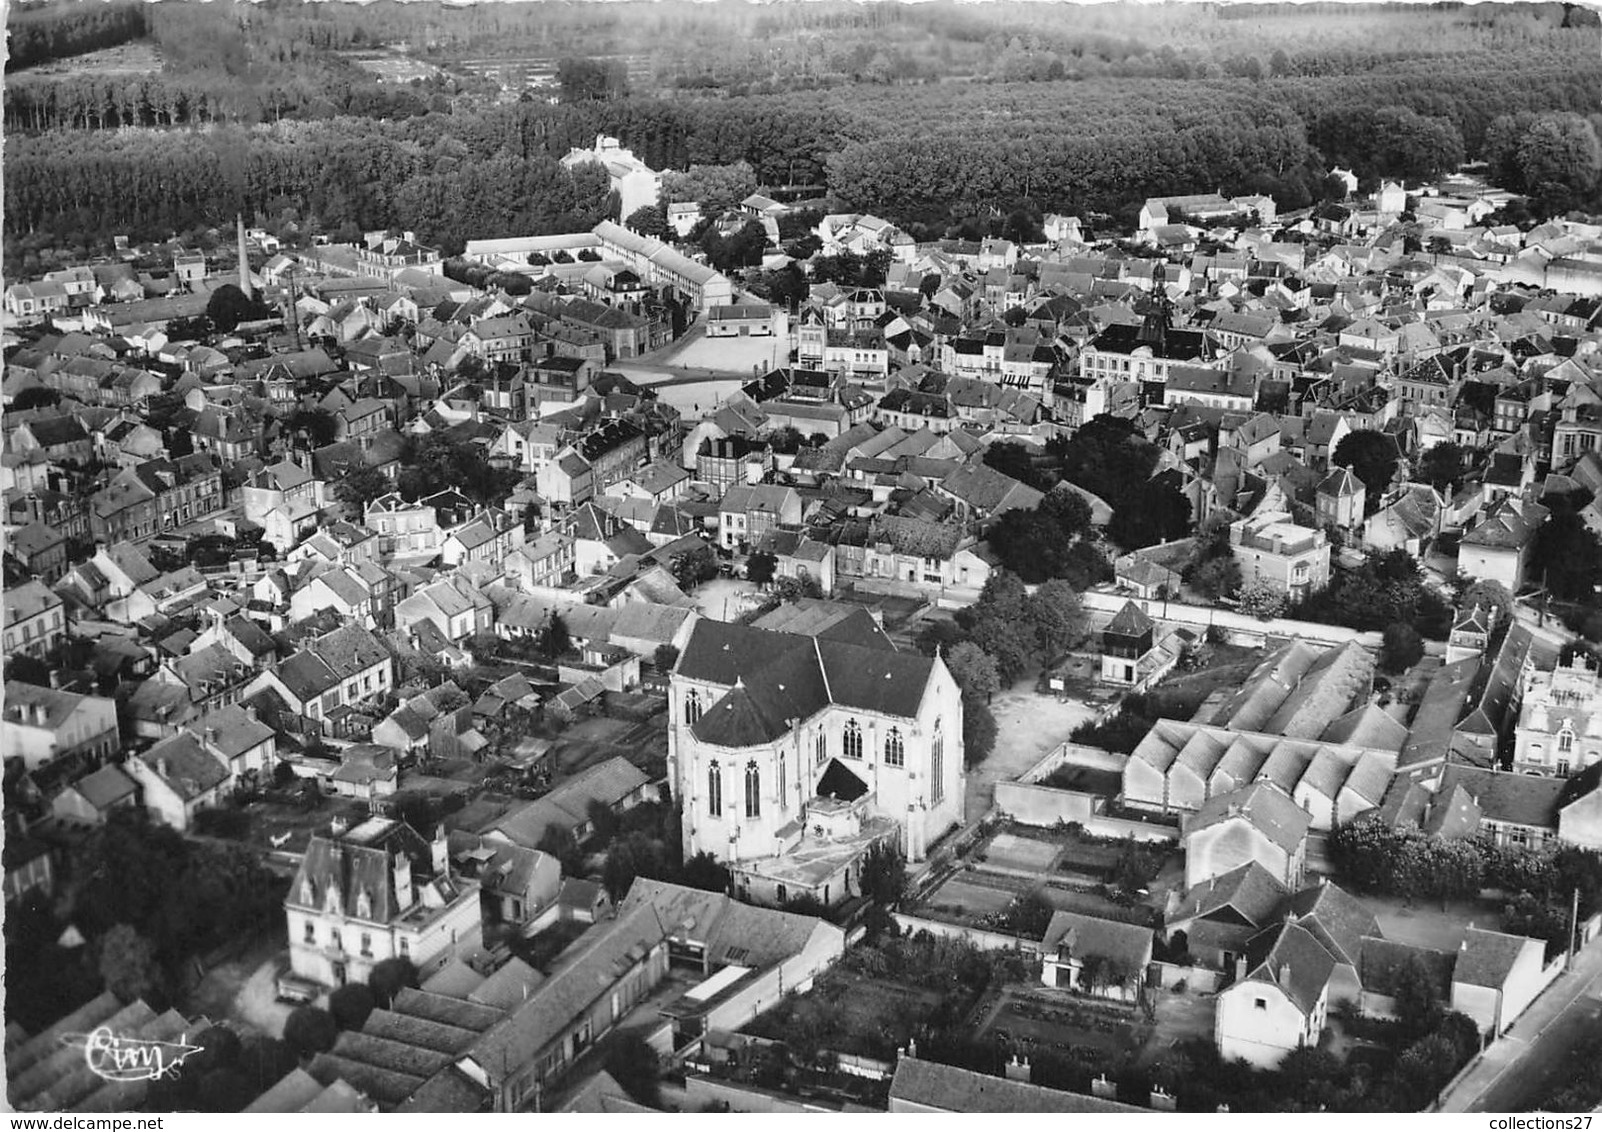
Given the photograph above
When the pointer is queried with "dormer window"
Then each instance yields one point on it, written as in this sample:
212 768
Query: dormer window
308 893
364 905
331 899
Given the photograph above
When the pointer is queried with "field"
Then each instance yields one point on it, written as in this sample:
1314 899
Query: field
394 68
138 58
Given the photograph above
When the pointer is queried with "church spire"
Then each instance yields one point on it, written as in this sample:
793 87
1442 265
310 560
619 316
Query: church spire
1159 314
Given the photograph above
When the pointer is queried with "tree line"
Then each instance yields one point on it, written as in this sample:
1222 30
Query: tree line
44 33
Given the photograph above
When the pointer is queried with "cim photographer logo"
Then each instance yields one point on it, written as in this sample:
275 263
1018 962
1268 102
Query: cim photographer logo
130 1059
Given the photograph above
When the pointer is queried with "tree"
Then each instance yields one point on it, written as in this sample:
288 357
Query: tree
761 567
978 732
229 306
974 671
310 1030
1417 992
128 964
319 426
883 874
1216 577
351 1004
1028 915
628 857
1561 150
360 486
1567 555
1372 457
1058 617
389 977
560 843
264 1061
1261 600
556 640
665 657
716 188
591 80
1442 466
692 567
705 872
35 397
648 220
1401 647
1153 512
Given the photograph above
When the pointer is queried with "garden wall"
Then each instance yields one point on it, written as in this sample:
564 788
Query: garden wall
979 937
1043 805
1073 754
1122 827
1241 624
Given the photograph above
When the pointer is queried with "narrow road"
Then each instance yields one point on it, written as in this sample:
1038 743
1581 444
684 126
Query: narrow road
1515 1072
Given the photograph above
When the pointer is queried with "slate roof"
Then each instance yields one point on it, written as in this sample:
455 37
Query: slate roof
1502 796
1292 958
1248 894
1487 958
776 677
1267 808
946 1088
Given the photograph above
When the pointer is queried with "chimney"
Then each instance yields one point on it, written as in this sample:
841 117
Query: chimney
55 678
1018 1070
1284 974
244 260
337 826
1240 967
250 714
163 768
439 851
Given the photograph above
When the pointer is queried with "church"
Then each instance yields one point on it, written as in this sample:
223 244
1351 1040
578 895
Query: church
793 754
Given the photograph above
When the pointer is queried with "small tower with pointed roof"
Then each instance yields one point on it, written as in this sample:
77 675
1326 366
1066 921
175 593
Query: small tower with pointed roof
1128 639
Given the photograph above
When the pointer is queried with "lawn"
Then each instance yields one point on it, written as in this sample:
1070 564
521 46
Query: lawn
965 899
1014 852
138 58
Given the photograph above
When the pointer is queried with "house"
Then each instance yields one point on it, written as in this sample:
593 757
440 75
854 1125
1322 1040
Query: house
1280 1002
29 867
1098 957
44 725
325 680
636 184
286 500
1496 977
516 885
456 608
1259 822
91 799
35 619
1340 498
749 511
1215 921
179 777
366 771
1130 652
1559 728
615 784
1498 548
374 891
1274 551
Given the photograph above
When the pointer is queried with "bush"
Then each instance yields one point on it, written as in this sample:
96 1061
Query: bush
310 1030
389 977
1401 648
350 1005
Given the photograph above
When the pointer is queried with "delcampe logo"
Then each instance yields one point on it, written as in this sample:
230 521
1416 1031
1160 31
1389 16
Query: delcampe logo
130 1059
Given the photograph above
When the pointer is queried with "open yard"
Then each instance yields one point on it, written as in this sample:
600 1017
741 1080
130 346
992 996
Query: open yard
724 599
592 741
967 895
1425 924
1028 726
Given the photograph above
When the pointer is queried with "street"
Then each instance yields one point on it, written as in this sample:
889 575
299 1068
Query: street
1516 1071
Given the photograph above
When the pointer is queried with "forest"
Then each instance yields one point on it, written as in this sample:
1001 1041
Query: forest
255 110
